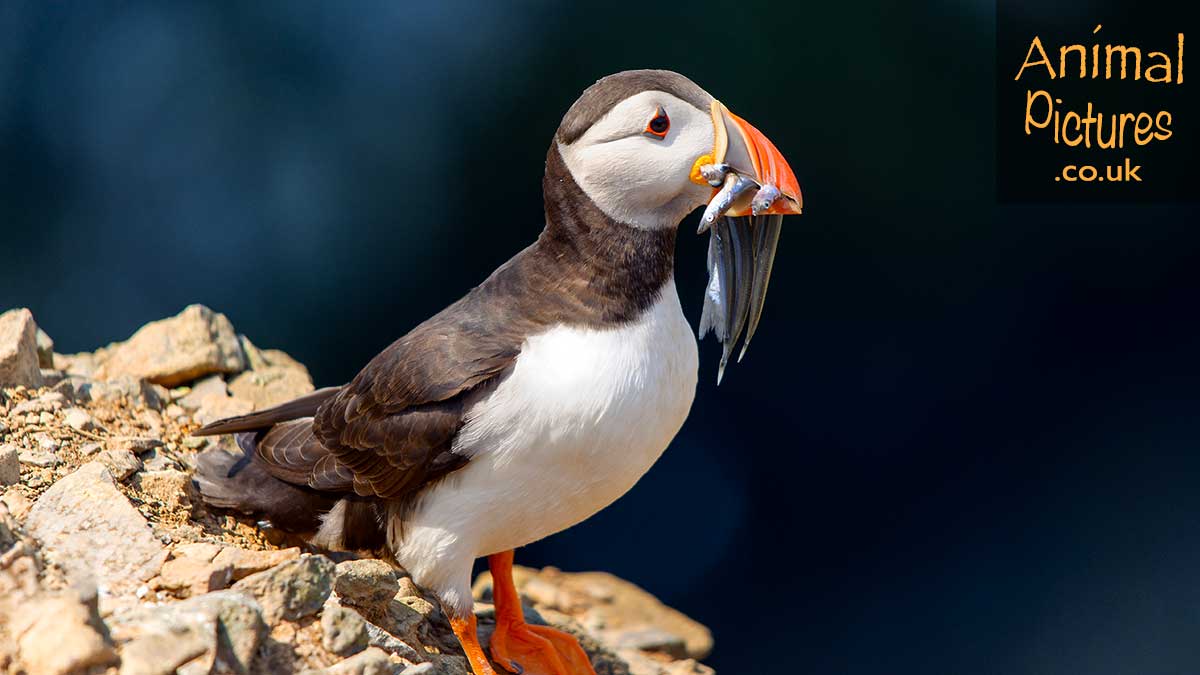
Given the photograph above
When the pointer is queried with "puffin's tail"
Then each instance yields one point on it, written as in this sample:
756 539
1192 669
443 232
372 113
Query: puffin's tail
233 479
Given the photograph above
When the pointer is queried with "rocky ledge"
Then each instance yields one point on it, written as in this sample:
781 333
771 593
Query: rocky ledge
109 563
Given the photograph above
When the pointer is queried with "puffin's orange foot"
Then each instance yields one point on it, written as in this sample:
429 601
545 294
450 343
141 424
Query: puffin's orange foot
538 650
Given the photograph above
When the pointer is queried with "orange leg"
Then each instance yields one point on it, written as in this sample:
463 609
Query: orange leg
464 629
525 649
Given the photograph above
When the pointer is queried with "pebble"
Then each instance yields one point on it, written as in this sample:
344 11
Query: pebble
121 463
343 630
365 583
39 458
79 419
293 590
10 465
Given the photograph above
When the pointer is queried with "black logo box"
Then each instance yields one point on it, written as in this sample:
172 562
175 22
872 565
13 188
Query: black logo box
1032 167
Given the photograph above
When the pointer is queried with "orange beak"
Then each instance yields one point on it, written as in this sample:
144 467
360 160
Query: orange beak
737 143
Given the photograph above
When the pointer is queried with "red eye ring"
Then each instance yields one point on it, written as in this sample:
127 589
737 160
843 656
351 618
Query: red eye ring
659 125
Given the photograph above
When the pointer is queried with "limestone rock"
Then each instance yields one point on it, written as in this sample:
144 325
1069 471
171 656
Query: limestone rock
45 350
79 419
188 577
120 463
128 388
244 563
172 488
343 630
18 349
373 661
365 583
194 343
10 465
90 529
57 635
270 386
293 590
215 632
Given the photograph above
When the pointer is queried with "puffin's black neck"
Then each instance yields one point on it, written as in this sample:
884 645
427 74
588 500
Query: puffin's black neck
626 264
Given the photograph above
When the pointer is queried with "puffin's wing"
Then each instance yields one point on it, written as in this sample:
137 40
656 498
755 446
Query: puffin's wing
393 427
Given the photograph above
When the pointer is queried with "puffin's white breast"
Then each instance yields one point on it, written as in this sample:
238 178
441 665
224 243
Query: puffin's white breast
581 417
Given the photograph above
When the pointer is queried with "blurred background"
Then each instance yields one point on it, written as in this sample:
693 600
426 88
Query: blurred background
965 440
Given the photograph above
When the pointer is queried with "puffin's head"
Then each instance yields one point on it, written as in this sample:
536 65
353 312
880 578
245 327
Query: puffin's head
635 142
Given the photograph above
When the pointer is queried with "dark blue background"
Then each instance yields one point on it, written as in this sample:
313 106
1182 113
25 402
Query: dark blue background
966 437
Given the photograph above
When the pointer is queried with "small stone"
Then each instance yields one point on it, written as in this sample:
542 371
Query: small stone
18 504
10 465
89 449
173 488
365 583
90 529
270 386
647 639
190 577
18 349
55 635
244 563
137 446
129 389
293 590
46 443
373 661
344 632
121 463
39 458
201 550
157 460
45 349
194 343
45 418
419 669
216 632
213 385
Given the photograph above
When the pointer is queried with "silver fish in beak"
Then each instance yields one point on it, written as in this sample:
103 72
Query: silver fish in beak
755 189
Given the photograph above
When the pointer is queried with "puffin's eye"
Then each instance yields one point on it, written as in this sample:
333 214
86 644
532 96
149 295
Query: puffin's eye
659 125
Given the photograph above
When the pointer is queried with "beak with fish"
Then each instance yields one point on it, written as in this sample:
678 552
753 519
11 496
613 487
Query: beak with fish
754 189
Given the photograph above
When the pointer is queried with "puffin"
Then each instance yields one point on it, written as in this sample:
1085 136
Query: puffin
548 390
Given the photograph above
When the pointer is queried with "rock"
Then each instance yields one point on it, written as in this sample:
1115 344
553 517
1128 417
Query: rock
57 635
194 343
270 386
191 577
90 529
39 458
120 463
215 632
172 488
292 590
373 661
45 442
89 449
45 350
209 400
201 550
419 669
18 349
641 664
10 465
365 583
134 391
378 637
79 419
648 639
135 445
209 386
343 630
244 563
